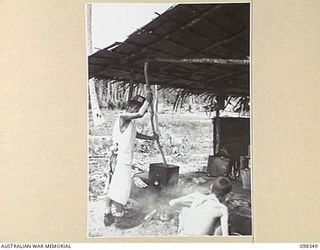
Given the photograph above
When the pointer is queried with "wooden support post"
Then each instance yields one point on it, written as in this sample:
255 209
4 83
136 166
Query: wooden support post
218 131
217 124
214 135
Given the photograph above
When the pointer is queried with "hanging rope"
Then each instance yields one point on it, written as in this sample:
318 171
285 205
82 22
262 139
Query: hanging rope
148 92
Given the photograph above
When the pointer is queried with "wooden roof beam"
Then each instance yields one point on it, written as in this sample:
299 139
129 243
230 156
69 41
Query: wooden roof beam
202 60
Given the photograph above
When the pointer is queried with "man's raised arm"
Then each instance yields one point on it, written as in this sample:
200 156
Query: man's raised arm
147 137
184 200
135 115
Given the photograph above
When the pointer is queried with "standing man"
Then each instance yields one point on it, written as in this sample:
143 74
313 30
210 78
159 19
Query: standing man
124 134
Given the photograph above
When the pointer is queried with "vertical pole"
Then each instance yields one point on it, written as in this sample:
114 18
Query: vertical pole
148 89
220 104
97 117
155 108
89 30
218 131
156 99
214 135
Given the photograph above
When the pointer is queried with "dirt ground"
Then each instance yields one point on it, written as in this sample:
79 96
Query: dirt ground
187 142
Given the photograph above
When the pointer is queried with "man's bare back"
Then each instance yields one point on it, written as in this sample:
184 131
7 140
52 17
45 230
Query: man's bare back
203 217
205 214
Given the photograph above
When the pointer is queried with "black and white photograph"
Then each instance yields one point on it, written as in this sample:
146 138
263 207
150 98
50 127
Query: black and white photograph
169 119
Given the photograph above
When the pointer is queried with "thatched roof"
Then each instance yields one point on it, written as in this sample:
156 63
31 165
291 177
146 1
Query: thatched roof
186 31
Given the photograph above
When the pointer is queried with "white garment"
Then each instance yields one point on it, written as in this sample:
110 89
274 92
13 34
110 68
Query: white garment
120 186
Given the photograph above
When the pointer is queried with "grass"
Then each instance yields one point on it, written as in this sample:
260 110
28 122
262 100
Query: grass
186 139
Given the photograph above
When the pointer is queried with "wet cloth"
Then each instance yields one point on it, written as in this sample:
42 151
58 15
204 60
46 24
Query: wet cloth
120 186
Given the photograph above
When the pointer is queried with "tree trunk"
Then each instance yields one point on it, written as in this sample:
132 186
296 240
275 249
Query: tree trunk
182 102
190 104
115 92
100 92
97 117
178 102
123 93
131 86
175 103
164 96
109 92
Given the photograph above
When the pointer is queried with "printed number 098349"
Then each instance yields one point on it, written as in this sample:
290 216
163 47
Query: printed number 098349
309 246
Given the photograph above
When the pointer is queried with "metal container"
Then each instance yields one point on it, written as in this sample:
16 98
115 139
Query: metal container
163 176
245 178
244 162
218 166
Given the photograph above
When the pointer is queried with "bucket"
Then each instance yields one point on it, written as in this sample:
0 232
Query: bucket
245 178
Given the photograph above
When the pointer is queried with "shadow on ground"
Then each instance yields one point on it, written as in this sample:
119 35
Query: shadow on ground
164 219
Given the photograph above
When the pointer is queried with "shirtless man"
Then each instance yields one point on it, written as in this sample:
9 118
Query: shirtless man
206 215
124 134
